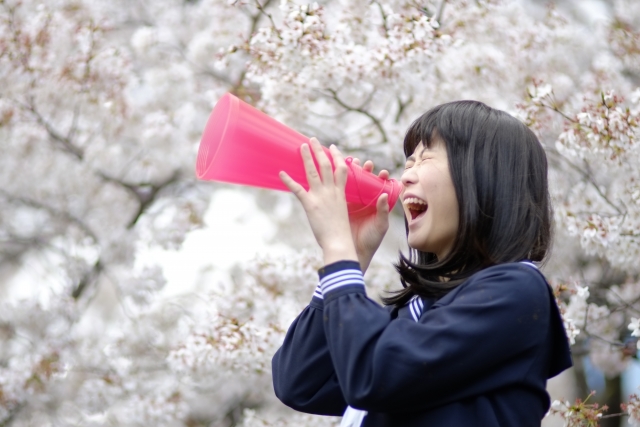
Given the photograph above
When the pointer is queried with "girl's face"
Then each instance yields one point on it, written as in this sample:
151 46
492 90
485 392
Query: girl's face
429 200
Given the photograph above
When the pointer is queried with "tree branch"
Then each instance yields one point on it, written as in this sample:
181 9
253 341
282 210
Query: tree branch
361 110
144 193
440 10
53 211
587 176
12 247
384 18
255 19
402 106
65 142
88 278
13 413
262 10
621 414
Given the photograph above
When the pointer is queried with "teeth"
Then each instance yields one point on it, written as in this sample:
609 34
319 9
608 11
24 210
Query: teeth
413 201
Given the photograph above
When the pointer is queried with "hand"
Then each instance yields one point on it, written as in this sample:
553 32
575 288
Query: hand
325 203
367 232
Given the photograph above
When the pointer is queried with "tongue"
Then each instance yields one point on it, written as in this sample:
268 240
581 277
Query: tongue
416 213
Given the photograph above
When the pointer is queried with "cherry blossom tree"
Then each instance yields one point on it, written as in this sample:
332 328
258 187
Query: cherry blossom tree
592 138
101 110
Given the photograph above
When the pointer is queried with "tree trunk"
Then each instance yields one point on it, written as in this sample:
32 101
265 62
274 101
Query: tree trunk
582 388
612 397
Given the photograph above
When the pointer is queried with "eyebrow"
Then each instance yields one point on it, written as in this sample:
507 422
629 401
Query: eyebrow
413 158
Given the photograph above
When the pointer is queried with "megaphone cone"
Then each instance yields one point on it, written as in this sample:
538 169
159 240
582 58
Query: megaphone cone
242 145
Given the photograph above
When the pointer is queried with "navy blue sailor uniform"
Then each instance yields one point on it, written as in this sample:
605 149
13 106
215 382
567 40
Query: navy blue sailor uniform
479 356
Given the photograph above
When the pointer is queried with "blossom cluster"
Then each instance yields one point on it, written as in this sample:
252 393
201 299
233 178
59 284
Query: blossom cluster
632 408
598 327
580 414
573 313
601 207
623 35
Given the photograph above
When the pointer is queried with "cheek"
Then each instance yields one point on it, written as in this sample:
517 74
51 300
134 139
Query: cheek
452 205
441 196
451 211
448 194
435 188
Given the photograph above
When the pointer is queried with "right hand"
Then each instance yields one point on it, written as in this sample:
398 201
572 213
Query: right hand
367 232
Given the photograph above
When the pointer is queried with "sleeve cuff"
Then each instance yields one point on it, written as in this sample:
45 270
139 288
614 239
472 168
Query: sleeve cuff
339 275
338 266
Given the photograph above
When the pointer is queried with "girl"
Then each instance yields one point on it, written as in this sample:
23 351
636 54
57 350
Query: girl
474 335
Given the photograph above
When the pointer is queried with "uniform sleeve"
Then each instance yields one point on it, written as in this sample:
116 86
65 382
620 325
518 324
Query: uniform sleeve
303 374
473 344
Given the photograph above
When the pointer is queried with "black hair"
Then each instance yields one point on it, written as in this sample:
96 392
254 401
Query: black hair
499 172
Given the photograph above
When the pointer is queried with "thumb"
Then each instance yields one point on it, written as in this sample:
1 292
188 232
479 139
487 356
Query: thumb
382 212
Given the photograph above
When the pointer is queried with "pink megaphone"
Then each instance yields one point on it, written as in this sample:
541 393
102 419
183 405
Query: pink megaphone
242 145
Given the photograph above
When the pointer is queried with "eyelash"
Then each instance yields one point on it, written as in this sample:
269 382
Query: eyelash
421 160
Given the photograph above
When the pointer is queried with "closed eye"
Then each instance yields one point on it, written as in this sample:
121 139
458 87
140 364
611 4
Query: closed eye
409 165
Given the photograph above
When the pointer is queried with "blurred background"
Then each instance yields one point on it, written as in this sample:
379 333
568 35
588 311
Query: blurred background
132 294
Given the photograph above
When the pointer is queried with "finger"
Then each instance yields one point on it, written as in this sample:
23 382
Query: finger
382 212
384 174
313 176
356 161
326 172
341 171
297 189
368 166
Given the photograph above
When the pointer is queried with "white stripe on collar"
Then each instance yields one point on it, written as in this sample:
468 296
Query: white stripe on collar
530 264
416 305
318 292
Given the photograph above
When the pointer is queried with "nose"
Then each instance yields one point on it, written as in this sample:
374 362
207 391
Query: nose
408 177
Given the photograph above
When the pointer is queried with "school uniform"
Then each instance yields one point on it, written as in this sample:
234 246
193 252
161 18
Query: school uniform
479 356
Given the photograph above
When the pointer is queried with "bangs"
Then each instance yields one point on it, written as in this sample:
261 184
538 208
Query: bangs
425 129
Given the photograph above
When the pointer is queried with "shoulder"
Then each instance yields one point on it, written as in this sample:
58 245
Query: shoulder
516 272
510 281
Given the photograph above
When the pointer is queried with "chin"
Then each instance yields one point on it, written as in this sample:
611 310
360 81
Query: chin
418 246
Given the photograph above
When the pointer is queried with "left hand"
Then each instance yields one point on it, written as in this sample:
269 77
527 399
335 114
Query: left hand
368 231
325 203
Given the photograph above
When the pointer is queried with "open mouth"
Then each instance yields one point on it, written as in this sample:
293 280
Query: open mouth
416 207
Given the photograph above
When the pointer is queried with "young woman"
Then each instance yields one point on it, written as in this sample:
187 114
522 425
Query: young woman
474 335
